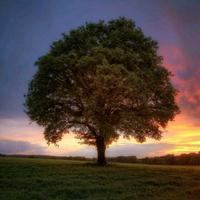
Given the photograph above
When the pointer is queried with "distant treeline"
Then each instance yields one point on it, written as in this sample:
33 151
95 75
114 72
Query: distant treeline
46 157
183 159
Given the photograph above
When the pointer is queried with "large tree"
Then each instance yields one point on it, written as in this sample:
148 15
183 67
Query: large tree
100 81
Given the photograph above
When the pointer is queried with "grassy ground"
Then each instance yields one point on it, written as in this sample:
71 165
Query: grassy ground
45 179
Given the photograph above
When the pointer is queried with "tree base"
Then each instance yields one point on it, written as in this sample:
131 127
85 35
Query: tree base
102 164
95 164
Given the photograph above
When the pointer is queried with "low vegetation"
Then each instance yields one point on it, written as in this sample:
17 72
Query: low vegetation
170 159
53 179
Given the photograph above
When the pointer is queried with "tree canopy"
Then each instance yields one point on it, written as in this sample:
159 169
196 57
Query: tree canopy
100 81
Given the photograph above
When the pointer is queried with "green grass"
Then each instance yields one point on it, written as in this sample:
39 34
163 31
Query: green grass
49 179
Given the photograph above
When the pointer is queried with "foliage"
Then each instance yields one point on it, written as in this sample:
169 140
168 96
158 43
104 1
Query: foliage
99 81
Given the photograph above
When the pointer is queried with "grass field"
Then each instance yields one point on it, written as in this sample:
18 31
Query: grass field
49 179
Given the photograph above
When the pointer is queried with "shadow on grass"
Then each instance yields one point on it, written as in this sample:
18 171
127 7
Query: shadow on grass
94 164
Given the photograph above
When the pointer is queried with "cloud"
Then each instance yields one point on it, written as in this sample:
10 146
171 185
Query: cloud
20 129
182 56
20 147
140 150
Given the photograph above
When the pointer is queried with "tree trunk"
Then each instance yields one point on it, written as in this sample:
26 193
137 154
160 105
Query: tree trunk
101 148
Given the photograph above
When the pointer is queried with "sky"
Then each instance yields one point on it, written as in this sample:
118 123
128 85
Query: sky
28 27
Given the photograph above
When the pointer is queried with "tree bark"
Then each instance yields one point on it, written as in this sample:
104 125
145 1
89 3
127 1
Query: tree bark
101 148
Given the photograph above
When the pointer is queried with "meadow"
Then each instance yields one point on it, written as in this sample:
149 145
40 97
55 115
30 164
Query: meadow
50 179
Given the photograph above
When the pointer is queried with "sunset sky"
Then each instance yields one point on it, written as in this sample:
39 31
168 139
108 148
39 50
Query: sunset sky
28 27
